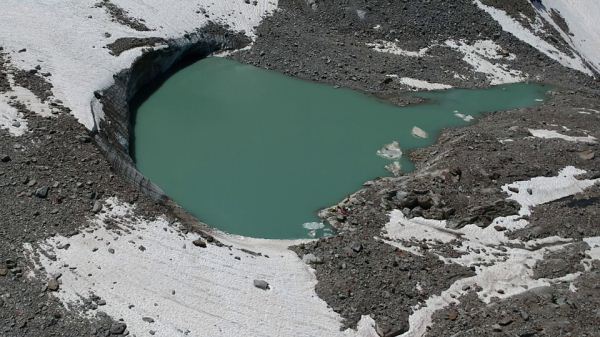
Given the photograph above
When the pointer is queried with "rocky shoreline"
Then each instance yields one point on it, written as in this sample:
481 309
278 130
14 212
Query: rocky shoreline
51 187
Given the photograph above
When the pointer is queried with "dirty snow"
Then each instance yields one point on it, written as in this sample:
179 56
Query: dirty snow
393 48
524 34
66 38
501 264
553 134
593 252
11 119
188 290
483 56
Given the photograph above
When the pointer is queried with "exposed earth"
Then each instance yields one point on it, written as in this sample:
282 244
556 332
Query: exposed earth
54 178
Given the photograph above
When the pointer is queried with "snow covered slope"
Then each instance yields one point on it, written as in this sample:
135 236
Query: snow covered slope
67 38
153 277
582 35
582 17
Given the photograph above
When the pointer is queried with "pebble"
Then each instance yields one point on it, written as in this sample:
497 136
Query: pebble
53 285
148 319
3 271
42 192
452 314
118 328
505 321
4 158
199 243
261 284
357 247
97 207
312 259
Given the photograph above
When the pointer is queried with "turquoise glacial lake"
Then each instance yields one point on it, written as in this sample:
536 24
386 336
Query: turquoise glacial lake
257 153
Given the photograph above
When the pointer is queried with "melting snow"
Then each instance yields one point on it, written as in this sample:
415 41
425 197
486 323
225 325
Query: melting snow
420 84
481 56
393 48
552 134
498 266
188 290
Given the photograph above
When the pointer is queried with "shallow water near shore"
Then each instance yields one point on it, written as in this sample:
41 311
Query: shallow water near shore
257 153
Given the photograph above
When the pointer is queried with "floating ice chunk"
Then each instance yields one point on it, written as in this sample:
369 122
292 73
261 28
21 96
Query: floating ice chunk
466 118
419 133
394 168
390 151
313 225
552 134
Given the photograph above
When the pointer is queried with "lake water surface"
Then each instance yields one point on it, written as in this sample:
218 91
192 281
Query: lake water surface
257 153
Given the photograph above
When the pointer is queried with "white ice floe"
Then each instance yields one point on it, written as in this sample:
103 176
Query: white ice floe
313 227
513 27
419 133
149 269
466 118
503 266
393 48
484 56
553 134
67 38
394 168
390 151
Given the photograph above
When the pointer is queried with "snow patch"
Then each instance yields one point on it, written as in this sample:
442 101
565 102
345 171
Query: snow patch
11 119
552 134
503 266
188 290
480 56
420 84
393 48
593 252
